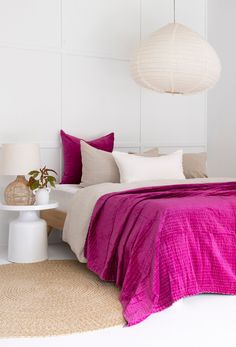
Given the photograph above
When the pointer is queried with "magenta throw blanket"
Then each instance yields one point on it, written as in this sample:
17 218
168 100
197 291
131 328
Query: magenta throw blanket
161 244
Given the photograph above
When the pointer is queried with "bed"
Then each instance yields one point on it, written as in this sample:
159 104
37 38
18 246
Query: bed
205 263
158 239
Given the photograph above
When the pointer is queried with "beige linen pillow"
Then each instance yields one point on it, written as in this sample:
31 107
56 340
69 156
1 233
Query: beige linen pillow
97 166
153 152
195 165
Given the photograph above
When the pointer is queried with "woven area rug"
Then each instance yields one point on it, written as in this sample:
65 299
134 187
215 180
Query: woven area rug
55 297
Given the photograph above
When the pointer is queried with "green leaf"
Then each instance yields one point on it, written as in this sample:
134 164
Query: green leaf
51 180
33 172
34 185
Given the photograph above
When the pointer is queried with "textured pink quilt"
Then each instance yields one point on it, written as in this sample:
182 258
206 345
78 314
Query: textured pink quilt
160 244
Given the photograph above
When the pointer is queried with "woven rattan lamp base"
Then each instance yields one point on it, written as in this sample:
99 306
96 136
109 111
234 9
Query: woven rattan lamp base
18 192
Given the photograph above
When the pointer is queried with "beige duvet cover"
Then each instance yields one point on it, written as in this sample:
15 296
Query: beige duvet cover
79 214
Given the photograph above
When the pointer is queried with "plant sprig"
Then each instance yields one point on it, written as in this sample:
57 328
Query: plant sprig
40 179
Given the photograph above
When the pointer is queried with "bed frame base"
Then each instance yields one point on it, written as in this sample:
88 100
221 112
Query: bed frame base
55 219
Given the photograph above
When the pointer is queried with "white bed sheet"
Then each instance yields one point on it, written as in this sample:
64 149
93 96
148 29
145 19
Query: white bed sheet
63 194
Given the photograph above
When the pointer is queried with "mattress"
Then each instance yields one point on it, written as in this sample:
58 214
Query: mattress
63 194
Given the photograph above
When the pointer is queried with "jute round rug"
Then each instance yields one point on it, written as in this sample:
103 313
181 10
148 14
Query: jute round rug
55 297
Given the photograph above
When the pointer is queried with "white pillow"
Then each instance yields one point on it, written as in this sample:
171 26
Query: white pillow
134 168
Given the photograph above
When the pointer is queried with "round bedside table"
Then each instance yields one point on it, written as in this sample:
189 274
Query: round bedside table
27 241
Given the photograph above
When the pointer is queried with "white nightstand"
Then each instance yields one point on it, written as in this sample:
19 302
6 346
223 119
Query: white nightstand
27 241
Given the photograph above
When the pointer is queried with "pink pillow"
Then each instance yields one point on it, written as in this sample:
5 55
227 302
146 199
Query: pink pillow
72 155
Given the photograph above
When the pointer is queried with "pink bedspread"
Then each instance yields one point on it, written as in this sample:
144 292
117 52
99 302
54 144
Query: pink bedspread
160 244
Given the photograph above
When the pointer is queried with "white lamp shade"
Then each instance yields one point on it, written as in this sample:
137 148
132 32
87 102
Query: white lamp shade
19 159
176 60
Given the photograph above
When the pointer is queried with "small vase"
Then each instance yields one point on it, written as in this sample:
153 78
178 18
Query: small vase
42 196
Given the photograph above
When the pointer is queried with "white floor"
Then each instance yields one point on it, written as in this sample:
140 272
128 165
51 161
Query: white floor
204 320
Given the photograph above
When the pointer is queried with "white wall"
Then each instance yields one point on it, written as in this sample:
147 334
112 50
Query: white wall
65 64
222 100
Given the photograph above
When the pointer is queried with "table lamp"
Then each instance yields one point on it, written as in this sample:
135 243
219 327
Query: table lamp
19 160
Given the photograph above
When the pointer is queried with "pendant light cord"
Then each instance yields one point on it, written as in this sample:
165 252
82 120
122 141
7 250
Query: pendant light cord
174 9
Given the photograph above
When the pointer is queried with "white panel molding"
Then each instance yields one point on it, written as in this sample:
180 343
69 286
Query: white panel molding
173 145
72 52
56 145
135 116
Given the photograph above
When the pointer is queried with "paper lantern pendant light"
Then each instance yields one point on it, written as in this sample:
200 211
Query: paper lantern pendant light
176 60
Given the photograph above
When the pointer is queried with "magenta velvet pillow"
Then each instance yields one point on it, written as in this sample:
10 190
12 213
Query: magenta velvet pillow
72 155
